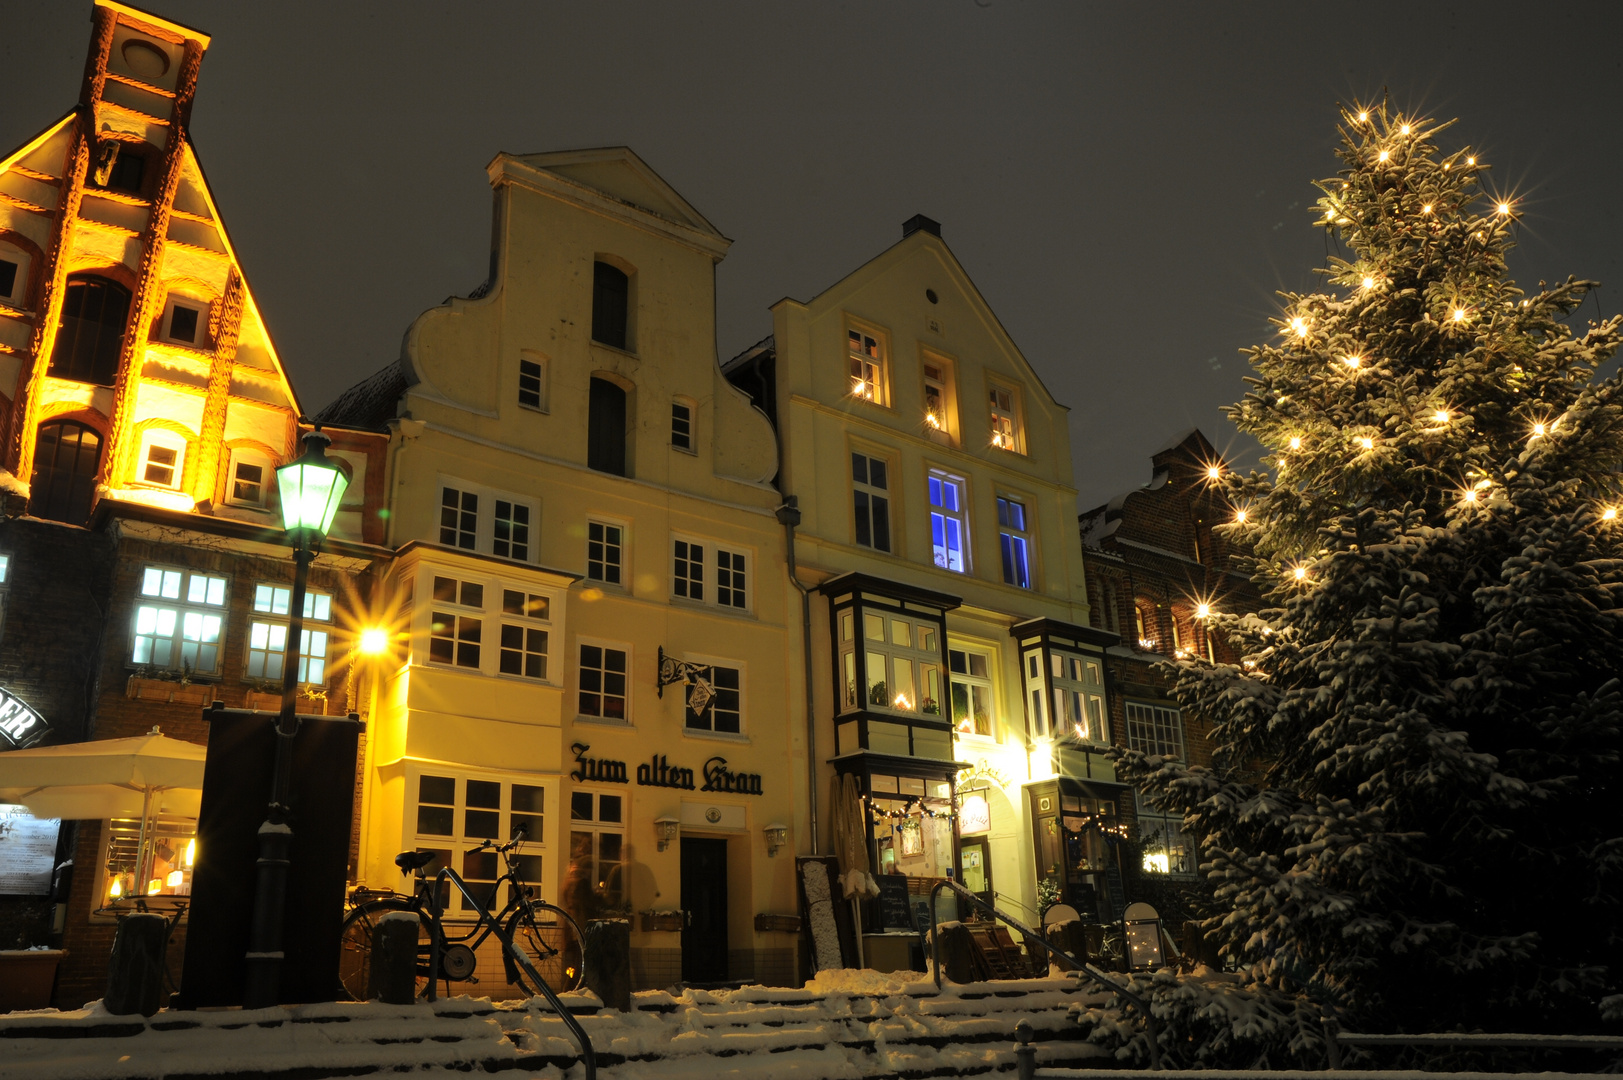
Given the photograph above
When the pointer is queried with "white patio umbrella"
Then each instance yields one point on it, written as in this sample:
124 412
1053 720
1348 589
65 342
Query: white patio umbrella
106 778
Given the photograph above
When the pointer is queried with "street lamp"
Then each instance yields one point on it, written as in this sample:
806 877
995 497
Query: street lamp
311 490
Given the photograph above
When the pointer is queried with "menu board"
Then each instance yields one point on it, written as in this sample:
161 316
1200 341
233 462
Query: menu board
893 903
27 852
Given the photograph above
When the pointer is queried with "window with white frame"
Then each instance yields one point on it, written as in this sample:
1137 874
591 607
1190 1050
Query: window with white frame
511 539
602 682
1005 418
1155 729
717 704
974 710
267 634
249 478
687 572
1167 848
185 321
605 549
459 518
731 583
903 664
1014 541
870 494
681 425
949 529
455 636
867 365
597 843
179 617
1079 702
163 456
532 384
732 578
937 396
14 264
453 814
526 626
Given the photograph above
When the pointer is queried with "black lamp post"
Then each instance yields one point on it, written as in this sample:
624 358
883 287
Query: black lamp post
311 489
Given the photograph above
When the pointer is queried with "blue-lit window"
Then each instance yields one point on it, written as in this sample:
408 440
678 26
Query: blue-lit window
1015 542
948 527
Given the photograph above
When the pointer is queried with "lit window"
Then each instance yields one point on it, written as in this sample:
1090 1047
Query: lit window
604 550
903 662
731 578
512 536
935 398
603 682
459 518
688 576
524 644
717 705
1005 424
871 497
597 842
178 620
1167 848
973 711
171 853
5 569
529 384
1155 729
163 455
1015 542
867 367
948 529
681 426
267 640
455 638
1079 703
454 815
185 321
249 478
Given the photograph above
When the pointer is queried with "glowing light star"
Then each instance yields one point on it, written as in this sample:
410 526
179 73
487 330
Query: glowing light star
1369 283
1426 209
117 889
1240 516
1609 514
1538 429
1504 208
1299 573
1296 442
1470 161
1441 416
1202 610
1459 314
1363 117
374 641
1404 129
1470 496
1352 361
1299 325
1384 155
1367 443
1214 472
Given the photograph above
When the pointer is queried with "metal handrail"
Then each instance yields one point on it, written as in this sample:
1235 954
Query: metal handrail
583 1042
1031 935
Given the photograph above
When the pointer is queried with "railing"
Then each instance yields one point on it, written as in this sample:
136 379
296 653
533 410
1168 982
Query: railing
1031 935
583 1043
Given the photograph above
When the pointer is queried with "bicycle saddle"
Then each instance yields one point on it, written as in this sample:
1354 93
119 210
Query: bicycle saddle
413 860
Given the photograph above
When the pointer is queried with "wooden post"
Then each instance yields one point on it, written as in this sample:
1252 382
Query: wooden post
608 974
393 976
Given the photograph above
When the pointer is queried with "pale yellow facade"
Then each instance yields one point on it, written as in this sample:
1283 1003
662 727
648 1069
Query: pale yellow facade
494 407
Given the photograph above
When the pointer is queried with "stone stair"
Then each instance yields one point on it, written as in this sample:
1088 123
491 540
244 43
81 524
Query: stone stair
855 1024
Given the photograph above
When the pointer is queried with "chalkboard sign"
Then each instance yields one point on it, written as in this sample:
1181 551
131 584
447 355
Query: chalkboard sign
894 912
921 914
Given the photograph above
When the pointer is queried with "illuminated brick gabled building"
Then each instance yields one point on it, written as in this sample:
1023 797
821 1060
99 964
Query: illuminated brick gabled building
143 410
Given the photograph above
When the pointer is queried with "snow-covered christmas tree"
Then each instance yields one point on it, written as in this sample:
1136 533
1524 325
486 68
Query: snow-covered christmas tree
1417 806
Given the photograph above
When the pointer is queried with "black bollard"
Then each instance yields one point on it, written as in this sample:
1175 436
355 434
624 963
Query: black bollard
135 973
607 956
393 975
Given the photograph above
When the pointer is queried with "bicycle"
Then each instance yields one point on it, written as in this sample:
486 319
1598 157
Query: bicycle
547 933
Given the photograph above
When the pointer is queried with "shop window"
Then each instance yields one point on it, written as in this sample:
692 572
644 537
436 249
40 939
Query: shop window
1015 542
602 680
249 478
949 527
455 638
902 660
185 321
524 634
267 636
611 304
606 428
1155 729
163 456
531 385
452 815
681 425
511 539
605 548
717 704
67 456
179 615
1006 433
91 334
973 709
1167 848
870 492
867 366
459 518
162 868
912 824
596 878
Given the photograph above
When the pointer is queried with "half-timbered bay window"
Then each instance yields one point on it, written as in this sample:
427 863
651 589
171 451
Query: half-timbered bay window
179 616
890 657
453 814
455 636
1062 672
267 634
973 711
525 626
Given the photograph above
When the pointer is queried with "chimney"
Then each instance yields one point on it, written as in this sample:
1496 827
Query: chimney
919 222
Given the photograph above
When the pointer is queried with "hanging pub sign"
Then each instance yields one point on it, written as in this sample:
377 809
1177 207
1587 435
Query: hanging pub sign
19 724
659 772
974 815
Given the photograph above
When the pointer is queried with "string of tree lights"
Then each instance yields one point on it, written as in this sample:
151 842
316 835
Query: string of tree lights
913 807
1402 811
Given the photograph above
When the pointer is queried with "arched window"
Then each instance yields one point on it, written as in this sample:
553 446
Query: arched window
606 428
66 457
611 298
94 313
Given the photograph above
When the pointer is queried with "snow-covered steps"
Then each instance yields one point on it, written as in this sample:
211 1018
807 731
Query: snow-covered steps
852 1024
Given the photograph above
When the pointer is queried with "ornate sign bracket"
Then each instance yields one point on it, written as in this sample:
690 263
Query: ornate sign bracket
700 676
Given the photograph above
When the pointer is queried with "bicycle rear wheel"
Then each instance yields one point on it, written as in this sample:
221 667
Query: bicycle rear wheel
355 956
553 941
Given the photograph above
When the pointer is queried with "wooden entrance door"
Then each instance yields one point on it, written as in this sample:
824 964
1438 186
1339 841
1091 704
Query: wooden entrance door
704 899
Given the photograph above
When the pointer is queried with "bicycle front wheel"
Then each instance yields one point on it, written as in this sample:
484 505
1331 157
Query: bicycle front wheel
553 941
355 957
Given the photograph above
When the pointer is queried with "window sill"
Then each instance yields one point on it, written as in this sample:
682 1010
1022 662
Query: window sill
688 450
525 680
739 738
615 349
715 609
605 722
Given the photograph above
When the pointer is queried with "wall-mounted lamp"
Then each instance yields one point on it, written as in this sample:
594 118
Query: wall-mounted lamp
776 836
666 829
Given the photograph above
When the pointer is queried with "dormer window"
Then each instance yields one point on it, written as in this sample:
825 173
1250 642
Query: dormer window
250 473
122 168
185 321
867 361
1005 419
163 455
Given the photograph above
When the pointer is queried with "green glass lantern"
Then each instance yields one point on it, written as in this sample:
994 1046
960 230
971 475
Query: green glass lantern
312 487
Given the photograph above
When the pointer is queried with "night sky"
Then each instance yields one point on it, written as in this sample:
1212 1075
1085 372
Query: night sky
1128 185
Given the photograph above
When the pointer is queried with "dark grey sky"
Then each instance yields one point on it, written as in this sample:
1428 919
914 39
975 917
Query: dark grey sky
1127 184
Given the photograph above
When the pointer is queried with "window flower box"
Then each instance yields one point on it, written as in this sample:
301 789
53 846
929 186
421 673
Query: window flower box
307 705
766 922
661 920
175 693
